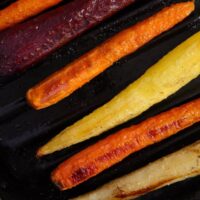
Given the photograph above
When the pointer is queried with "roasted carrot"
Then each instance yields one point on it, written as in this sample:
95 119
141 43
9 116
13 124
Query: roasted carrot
163 79
116 147
65 81
23 9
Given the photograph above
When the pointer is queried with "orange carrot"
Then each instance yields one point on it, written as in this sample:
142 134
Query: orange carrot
23 9
116 147
65 81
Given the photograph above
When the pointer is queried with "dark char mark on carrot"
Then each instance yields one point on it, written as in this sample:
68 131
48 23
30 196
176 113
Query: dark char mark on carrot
33 40
153 133
84 172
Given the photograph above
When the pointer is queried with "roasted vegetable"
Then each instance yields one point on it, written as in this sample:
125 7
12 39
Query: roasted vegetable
160 81
64 82
175 167
116 147
27 43
23 9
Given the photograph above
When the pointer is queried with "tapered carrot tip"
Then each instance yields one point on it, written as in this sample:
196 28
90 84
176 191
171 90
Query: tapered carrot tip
42 152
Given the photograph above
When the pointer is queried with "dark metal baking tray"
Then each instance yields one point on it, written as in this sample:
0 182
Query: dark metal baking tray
23 130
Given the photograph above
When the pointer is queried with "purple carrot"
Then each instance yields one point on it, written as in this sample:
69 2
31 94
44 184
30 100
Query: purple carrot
26 44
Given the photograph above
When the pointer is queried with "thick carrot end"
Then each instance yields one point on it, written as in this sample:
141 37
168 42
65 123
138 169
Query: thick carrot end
29 99
32 101
57 180
57 183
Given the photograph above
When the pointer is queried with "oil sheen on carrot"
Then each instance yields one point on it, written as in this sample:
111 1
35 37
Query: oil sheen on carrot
116 147
73 76
23 9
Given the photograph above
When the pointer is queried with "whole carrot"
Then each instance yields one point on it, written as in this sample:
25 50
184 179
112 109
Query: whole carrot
116 147
65 81
23 9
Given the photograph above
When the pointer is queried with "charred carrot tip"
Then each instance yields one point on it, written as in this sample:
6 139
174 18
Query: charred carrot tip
116 147
75 75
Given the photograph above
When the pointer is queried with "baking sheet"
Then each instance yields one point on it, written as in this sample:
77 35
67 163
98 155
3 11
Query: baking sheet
23 130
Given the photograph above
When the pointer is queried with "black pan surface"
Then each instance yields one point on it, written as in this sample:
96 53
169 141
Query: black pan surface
23 130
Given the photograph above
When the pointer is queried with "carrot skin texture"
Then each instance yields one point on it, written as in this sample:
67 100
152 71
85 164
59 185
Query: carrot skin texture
73 76
116 147
22 10
33 40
